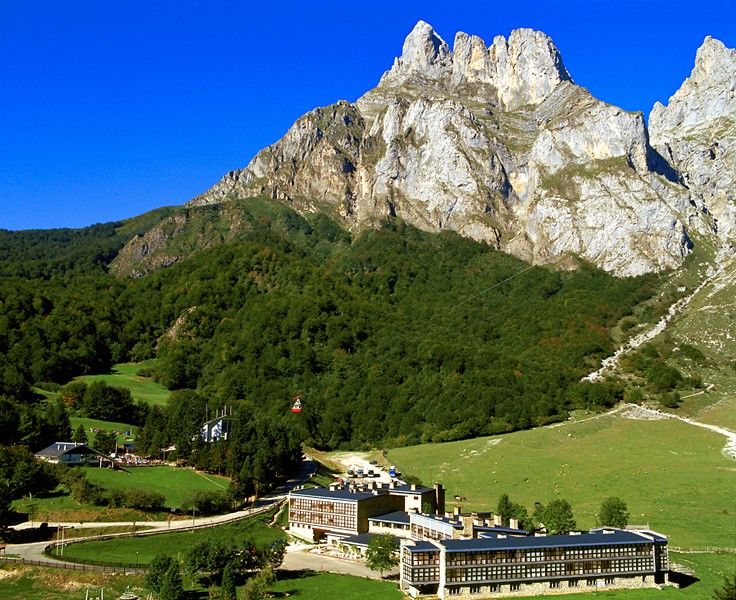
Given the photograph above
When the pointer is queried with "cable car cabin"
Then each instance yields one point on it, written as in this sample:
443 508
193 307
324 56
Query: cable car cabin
297 406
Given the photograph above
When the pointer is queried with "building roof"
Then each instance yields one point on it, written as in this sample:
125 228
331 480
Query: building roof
58 448
325 493
491 530
406 490
616 537
401 517
422 546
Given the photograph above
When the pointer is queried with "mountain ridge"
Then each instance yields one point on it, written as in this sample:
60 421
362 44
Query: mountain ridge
497 143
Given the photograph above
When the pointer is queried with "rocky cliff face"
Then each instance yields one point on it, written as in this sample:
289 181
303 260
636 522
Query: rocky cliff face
696 132
496 143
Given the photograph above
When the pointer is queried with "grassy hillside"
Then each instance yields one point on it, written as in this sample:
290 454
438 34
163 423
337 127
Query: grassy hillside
174 483
90 424
142 550
672 475
143 389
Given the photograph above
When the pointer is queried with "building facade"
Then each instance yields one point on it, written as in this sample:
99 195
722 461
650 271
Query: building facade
499 565
317 512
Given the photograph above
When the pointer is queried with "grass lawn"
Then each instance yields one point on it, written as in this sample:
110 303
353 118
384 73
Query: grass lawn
142 550
317 586
672 475
143 389
174 483
59 506
90 424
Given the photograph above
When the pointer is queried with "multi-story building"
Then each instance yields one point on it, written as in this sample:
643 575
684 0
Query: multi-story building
345 511
497 565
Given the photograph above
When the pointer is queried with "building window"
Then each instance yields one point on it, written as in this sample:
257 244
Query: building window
453 591
515 587
572 583
554 584
475 589
609 580
495 587
590 582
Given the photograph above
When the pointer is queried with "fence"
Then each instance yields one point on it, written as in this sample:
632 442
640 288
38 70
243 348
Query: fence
57 564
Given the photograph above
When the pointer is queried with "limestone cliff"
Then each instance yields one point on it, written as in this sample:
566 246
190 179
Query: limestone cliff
496 143
696 132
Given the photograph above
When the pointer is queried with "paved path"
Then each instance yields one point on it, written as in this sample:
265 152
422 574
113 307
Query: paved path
298 558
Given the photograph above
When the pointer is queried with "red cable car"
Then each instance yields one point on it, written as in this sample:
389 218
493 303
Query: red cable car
297 405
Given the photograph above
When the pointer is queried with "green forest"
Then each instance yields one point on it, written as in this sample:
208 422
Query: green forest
391 336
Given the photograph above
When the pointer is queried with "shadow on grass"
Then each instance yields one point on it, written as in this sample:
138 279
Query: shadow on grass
682 580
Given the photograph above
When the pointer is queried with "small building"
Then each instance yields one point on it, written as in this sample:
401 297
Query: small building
72 453
216 429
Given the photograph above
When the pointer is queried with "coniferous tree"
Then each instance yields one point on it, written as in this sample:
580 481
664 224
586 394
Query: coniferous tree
172 587
227 590
80 435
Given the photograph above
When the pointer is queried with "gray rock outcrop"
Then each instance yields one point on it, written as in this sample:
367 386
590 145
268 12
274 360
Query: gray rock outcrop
696 132
496 143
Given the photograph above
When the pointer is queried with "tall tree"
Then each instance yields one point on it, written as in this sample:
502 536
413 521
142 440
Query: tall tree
172 587
227 589
80 435
558 518
613 513
381 554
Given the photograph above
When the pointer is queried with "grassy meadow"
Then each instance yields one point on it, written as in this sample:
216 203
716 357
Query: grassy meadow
141 550
89 424
318 586
143 389
174 483
672 475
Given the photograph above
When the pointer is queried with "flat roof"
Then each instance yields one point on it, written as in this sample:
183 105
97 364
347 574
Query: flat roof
325 493
422 546
500 529
398 516
406 489
361 540
616 537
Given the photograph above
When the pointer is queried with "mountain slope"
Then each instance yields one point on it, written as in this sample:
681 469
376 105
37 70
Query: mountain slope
496 143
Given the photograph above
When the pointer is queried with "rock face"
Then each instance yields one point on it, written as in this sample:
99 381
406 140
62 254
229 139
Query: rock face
496 143
696 132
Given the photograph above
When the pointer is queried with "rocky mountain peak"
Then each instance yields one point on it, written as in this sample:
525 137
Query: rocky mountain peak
709 93
424 53
528 67
696 133
496 143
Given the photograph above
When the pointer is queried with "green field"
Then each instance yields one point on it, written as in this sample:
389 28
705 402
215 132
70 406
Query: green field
672 475
143 389
105 426
173 482
59 506
56 584
319 586
141 550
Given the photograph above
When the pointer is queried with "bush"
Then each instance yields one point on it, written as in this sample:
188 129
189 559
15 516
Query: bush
144 500
207 502
662 377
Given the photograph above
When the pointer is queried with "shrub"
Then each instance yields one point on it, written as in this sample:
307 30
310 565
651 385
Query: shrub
207 502
144 500
662 377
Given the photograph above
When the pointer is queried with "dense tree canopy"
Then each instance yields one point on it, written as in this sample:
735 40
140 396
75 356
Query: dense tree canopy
395 336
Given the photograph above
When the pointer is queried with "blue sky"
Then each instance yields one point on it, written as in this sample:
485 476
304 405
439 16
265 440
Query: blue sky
109 109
